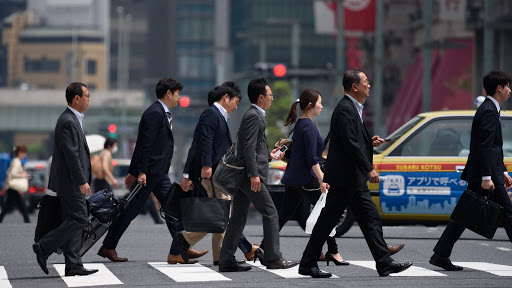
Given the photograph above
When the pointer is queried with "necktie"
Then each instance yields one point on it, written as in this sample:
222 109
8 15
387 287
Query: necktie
169 118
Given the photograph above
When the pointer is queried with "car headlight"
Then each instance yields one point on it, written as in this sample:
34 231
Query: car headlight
274 176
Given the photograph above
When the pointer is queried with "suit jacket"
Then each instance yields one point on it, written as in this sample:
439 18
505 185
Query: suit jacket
154 146
211 141
71 164
252 144
350 156
486 148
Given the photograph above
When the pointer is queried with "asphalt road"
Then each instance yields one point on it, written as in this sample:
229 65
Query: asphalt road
147 244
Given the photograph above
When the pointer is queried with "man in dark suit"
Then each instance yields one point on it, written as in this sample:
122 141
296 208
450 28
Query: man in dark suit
348 167
485 168
149 165
252 147
70 177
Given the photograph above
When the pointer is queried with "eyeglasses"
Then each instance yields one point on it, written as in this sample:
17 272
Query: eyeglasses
365 82
271 95
88 95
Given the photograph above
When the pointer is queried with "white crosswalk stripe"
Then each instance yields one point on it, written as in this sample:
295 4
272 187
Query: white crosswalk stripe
414 271
496 269
188 272
291 273
102 277
4 281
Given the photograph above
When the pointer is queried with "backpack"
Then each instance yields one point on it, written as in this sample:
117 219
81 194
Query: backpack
97 166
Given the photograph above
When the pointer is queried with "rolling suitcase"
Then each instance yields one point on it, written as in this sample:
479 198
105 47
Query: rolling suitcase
104 210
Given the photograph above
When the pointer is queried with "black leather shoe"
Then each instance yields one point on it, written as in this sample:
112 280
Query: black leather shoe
393 267
41 257
80 272
233 268
314 272
394 249
444 262
216 263
183 246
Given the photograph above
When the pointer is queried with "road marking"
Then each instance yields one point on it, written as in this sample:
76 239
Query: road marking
290 273
413 271
4 280
496 269
504 249
485 244
188 272
102 277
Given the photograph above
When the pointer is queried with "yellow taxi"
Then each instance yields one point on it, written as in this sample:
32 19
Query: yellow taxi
421 168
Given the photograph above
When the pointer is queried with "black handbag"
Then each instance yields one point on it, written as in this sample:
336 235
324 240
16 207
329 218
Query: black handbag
201 214
105 206
171 206
478 213
49 217
230 172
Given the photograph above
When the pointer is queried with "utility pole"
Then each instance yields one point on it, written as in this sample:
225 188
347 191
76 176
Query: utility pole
378 67
427 55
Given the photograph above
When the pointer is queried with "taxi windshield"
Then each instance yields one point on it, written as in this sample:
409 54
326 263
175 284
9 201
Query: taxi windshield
400 131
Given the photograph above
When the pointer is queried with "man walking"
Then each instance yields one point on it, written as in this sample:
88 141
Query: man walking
348 168
252 146
70 175
149 165
485 168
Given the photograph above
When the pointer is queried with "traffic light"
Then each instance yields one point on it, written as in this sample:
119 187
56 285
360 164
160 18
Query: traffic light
112 130
279 70
184 101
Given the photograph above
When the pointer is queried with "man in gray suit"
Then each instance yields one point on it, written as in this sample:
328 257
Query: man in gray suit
70 175
252 146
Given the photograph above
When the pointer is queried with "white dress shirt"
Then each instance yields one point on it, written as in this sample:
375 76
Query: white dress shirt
359 106
78 115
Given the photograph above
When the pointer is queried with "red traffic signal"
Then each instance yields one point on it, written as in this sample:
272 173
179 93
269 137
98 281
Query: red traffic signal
279 70
184 101
112 128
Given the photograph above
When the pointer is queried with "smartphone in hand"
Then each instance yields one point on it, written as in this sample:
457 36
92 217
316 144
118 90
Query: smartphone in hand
389 139
282 150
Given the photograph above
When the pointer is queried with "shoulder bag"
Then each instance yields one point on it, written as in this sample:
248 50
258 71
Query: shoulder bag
230 172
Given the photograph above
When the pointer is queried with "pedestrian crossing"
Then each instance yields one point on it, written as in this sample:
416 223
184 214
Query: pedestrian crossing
201 273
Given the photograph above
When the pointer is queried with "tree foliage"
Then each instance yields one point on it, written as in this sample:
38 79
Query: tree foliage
278 112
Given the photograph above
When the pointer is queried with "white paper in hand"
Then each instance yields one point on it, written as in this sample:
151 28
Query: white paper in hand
313 217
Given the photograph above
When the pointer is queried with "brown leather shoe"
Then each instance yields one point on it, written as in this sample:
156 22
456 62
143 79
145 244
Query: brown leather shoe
110 254
281 263
250 255
394 249
192 254
175 259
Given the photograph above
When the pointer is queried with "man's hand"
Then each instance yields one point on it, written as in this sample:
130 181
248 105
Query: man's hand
185 184
85 189
374 177
142 179
206 172
128 181
488 184
273 154
508 181
255 184
377 141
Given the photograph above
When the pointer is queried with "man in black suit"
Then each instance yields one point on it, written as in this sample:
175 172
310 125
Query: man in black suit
149 165
252 147
70 177
485 168
348 167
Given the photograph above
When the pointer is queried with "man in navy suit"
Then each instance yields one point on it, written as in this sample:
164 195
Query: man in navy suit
485 168
149 165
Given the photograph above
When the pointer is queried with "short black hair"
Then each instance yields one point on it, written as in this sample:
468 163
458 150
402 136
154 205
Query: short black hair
350 77
211 97
235 88
109 142
255 88
493 79
220 91
74 89
165 84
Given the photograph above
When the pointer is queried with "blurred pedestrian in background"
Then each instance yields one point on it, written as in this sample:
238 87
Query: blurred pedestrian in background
104 179
16 184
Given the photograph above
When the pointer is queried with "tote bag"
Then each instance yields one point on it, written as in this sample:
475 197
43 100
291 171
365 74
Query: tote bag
313 217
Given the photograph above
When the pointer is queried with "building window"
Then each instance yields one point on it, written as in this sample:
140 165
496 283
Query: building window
91 67
42 65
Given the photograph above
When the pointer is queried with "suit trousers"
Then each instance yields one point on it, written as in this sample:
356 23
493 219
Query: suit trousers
453 231
133 209
240 207
69 234
367 217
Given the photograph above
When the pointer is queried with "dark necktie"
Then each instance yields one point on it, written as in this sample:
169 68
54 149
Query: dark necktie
169 118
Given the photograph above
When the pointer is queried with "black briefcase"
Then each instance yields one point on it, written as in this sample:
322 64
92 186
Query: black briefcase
478 213
201 214
49 216
171 206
